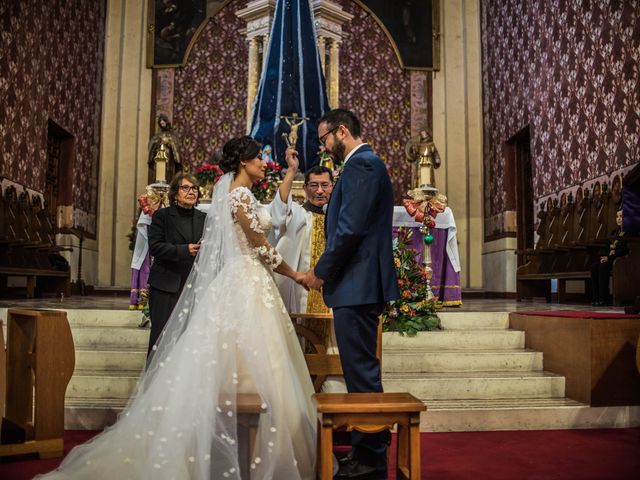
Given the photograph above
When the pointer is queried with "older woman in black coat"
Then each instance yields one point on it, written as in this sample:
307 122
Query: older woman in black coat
174 236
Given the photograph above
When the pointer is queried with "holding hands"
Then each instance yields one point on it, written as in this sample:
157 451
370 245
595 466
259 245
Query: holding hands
309 280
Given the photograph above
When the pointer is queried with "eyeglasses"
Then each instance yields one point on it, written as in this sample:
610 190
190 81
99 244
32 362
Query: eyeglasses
323 185
187 188
323 138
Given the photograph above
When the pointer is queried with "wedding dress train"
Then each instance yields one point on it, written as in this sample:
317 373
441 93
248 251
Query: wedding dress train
230 333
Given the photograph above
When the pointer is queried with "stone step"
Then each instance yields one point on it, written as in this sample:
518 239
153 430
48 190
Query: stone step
456 340
110 360
110 338
104 318
523 414
482 385
96 318
98 385
474 321
429 361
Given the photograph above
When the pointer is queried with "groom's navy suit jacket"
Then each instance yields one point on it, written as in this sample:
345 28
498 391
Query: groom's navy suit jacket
357 265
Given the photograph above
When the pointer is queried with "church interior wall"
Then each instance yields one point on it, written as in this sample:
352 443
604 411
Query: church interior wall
125 134
457 131
569 71
51 66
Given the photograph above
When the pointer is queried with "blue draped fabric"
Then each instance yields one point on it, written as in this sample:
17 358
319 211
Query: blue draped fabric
291 82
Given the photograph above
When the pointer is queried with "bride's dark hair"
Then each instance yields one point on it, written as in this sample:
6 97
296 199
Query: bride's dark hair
236 150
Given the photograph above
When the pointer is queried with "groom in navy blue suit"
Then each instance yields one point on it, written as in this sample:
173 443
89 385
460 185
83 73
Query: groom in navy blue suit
356 272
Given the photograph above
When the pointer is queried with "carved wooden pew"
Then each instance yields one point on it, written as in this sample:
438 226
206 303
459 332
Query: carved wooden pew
40 363
27 237
575 232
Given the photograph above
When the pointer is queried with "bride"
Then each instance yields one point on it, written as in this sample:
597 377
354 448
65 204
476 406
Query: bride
229 334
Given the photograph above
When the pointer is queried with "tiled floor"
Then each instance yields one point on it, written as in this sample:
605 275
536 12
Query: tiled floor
470 305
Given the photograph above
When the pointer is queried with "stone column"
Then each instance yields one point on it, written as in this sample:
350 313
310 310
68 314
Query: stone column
322 51
334 74
252 84
265 49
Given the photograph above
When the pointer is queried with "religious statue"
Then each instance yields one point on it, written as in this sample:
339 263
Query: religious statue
163 152
422 150
294 122
267 153
326 161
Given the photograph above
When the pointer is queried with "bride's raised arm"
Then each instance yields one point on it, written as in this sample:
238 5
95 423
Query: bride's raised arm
243 209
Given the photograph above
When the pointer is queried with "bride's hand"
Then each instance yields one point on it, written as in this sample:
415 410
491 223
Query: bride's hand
299 277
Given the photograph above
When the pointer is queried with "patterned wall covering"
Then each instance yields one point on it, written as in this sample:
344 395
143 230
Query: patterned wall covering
51 62
569 70
373 85
211 90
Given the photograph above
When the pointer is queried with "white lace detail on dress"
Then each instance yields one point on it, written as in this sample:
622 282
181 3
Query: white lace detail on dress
254 221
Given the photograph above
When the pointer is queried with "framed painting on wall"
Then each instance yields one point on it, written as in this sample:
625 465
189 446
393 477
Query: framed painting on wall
413 27
172 26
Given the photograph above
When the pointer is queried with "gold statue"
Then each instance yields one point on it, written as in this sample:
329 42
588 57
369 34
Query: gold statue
294 122
422 150
163 152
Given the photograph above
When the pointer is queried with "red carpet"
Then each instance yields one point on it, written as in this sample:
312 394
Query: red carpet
536 455
579 314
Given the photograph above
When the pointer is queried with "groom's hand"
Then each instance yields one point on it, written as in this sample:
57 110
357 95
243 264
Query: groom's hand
311 281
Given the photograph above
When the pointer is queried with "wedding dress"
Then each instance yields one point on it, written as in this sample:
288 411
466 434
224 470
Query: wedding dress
229 333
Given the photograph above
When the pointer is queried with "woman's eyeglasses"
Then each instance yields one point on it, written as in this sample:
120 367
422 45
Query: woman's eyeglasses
187 188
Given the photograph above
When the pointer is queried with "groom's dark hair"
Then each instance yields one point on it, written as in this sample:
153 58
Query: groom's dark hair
340 116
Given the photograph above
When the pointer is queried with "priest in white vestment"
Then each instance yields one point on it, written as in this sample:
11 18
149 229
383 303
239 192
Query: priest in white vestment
298 235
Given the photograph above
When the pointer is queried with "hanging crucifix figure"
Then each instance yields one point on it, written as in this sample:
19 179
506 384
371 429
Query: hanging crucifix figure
294 122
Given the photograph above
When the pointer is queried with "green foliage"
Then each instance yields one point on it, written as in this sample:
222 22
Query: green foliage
411 313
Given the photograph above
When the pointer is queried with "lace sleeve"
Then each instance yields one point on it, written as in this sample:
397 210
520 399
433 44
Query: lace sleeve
243 210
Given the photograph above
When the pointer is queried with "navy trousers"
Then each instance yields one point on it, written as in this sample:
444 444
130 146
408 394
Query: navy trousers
357 334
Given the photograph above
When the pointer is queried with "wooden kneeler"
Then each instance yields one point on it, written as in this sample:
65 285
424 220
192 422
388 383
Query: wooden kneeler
40 363
320 363
370 413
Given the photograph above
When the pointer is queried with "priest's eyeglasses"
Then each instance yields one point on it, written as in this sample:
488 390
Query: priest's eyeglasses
323 138
187 188
316 185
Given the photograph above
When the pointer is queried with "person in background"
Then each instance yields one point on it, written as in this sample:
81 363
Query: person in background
601 270
174 236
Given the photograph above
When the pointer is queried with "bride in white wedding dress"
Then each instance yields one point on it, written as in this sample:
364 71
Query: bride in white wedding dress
229 333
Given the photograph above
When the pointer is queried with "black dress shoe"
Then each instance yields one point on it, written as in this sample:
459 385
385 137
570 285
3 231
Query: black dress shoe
360 471
348 458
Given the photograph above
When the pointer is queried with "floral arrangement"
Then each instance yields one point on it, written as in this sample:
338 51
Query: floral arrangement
412 312
207 176
265 189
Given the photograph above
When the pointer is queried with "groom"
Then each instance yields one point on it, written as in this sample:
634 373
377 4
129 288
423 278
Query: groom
356 272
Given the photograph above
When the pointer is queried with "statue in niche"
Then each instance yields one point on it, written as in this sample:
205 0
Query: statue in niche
421 150
164 157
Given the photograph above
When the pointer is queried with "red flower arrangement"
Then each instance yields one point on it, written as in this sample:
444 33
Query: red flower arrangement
265 189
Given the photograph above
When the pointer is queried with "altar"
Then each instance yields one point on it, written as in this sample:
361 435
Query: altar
445 260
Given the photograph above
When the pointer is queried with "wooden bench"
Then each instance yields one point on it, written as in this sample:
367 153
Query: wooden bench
40 362
38 280
249 407
370 413
539 284
320 363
